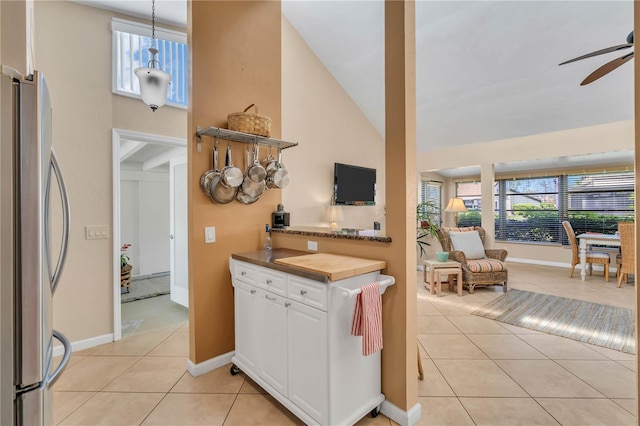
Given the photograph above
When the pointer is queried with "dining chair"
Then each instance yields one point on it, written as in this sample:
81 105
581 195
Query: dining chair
626 230
593 256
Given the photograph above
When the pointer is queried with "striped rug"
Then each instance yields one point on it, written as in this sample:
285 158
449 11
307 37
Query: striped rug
602 325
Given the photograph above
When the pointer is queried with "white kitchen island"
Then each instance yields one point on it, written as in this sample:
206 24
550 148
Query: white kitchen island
292 334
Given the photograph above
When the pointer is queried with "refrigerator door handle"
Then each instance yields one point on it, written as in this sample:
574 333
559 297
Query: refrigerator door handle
51 378
66 218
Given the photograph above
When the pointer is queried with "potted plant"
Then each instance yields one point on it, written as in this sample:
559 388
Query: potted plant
125 268
426 214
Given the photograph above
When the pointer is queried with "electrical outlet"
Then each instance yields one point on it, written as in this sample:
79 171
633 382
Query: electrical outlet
96 232
312 245
210 234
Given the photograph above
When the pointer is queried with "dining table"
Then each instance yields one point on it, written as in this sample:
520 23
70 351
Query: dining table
594 238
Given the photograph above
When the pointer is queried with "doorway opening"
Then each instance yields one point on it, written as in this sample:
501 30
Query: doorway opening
149 215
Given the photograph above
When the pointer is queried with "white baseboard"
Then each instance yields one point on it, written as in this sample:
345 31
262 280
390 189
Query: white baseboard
404 418
209 365
84 344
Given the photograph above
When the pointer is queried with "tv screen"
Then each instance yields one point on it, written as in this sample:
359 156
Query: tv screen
354 185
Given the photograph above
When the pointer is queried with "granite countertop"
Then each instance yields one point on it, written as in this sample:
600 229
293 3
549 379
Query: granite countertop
267 260
348 234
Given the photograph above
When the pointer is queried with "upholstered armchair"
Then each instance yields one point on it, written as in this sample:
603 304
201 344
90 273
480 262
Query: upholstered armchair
480 266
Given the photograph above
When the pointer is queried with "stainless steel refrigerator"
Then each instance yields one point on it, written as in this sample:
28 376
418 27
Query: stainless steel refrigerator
29 267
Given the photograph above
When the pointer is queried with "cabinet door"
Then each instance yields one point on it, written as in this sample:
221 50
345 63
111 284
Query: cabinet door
272 327
246 318
308 361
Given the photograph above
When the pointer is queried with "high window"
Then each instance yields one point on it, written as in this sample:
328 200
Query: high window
131 42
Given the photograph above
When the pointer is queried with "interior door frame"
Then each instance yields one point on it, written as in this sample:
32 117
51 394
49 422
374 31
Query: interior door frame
118 135
177 293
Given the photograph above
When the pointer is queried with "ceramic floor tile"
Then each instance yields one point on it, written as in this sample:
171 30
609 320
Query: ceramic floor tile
85 352
73 360
379 420
175 345
434 383
423 353
150 374
520 330
586 412
107 408
506 412
443 411
607 377
258 409
612 354
426 308
470 324
631 405
191 409
631 365
452 306
435 324
482 378
505 346
93 373
542 378
216 381
450 346
135 344
65 403
249 386
556 347
184 328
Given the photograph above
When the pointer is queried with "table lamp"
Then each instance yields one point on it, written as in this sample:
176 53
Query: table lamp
333 214
456 205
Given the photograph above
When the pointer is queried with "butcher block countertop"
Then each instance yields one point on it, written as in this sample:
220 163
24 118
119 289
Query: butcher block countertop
334 266
316 266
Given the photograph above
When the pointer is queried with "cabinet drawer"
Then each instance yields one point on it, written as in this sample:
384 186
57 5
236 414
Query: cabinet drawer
273 281
309 292
245 273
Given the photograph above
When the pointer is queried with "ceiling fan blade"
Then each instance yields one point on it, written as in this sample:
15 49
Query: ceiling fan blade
599 52
606 68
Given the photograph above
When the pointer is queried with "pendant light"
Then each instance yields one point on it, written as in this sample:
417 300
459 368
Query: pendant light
154 83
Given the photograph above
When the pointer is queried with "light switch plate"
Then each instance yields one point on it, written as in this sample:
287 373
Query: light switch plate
210 234
312 245
96 232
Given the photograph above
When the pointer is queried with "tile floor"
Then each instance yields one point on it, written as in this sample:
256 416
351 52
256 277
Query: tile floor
477 371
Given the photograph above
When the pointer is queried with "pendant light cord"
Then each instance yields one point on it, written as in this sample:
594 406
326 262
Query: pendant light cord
153 23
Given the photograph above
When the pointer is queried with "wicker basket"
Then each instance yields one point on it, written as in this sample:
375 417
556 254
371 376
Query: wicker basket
253 123
125 277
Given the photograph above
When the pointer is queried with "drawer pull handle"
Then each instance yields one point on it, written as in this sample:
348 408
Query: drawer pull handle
287 304
303 292
273 299
243 273
269 281
253 292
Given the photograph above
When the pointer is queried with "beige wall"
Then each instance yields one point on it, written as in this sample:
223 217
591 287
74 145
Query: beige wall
73 50
235 53
330 128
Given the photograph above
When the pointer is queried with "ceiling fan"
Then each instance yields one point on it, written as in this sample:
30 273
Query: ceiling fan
609 66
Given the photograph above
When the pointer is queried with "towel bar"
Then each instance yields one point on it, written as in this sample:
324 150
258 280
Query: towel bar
385 281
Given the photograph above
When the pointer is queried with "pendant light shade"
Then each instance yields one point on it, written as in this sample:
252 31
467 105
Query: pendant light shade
154 86
154 83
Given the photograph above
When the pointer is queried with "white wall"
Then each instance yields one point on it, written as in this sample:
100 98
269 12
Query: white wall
144 220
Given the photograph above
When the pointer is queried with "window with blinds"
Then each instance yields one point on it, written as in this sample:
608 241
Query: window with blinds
471 194
131 42
533 209
431 191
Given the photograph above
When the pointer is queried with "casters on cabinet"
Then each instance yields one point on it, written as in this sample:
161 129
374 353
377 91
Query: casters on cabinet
374 413
234 370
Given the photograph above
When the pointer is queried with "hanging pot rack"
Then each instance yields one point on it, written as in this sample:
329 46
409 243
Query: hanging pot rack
232 135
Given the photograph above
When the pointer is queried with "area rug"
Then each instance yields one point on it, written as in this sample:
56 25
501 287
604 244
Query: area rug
602 325
146 287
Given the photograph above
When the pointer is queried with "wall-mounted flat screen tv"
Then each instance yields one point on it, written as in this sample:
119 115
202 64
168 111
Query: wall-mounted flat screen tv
354 185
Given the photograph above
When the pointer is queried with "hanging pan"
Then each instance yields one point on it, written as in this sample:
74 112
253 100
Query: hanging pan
278 176
207 176
231 176
250 191
220 193
256 172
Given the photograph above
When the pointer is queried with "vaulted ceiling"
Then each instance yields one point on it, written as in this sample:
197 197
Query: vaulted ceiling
486 70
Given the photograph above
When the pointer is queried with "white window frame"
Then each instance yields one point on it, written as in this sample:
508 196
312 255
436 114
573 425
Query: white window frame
144 30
